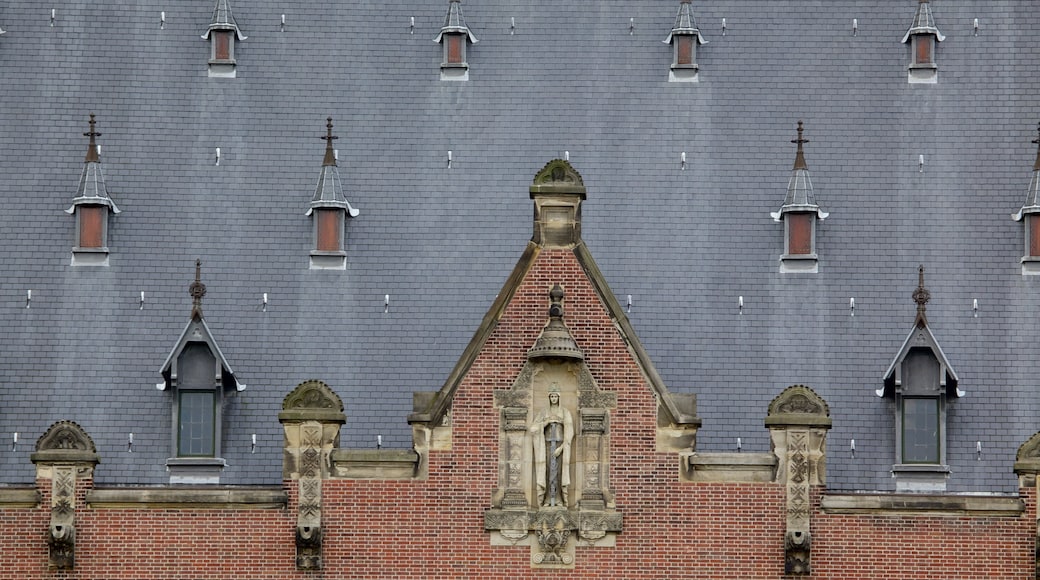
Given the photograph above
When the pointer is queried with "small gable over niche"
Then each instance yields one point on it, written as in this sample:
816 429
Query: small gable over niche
454 36
921 381
685 37
199 378
1030 215
922 36
222 34
91 206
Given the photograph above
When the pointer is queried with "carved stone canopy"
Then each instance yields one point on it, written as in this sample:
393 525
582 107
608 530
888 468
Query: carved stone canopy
65 441
1027 460
312 401
558 176
798 405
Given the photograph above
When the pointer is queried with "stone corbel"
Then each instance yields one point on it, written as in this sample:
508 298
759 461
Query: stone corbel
64 455
311 417
1027 466
798 421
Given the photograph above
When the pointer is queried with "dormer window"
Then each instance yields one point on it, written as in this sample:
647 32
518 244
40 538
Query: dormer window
91 206
329 209
454 37
799 214
200 379
1030 215
685 37
921 381
922 37
222 34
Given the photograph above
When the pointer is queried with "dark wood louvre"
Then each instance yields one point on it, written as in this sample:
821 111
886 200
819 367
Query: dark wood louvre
222 44
454 48
683 50
924 49
799 228
328 230
1034 234
91 226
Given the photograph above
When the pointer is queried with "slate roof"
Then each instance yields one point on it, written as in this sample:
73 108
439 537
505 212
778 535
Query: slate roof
589 80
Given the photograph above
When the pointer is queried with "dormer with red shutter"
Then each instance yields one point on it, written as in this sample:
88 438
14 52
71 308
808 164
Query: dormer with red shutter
799 214
91 206
1030 214
922 37
453 37
685 37
222 34
329 208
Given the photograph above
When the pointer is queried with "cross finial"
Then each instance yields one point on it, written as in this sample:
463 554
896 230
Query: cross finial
197 290
92 154
330 155
799 157
921 297
1036 164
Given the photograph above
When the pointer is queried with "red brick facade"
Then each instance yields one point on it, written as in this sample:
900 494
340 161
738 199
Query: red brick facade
434 527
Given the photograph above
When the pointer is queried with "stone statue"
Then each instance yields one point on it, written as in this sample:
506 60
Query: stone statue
552 432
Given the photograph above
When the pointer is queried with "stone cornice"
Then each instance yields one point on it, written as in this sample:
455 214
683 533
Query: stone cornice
19 497
890 504
188 498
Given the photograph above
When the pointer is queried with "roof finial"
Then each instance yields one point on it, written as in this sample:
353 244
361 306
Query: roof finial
1036 164
197 290
330 155
921 296
799 158
92 153
556 299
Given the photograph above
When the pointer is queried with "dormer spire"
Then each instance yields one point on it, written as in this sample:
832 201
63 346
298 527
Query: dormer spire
800 195
921 297
92 150
330 154
197 290
223 20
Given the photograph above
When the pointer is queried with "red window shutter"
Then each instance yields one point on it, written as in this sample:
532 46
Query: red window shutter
799 228
328 230
924 48
222 44
91 227
683 49
454 48
1034 234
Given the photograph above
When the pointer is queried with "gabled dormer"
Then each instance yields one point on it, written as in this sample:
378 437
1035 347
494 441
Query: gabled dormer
329 210
454 36
799 214
685 37
222 34
91 206
1030 214
922 36
921 381
199 379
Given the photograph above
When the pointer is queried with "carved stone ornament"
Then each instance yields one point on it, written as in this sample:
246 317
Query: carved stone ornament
798 421
65 436
64 454
312 395
554 491
558 172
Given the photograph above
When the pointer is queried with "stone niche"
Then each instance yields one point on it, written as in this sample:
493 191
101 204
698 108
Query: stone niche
554 500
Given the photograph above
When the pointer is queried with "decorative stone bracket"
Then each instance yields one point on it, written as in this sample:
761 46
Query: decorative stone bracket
1027 466
798 421
64 454
311 416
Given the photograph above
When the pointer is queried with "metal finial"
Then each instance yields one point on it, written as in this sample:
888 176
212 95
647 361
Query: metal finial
799 158
330 154
92 154
197 290
921 297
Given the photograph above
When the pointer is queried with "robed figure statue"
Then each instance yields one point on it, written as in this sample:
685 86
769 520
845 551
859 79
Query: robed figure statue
552 432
